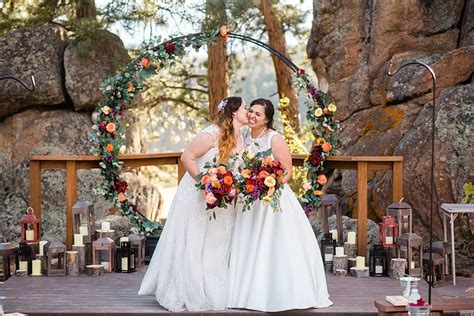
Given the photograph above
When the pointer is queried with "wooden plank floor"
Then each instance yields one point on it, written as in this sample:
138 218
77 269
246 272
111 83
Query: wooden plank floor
116 294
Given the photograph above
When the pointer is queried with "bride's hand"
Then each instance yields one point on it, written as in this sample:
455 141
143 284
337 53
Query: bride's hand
195 150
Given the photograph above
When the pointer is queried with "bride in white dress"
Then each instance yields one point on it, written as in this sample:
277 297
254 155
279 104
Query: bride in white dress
275 261
189 268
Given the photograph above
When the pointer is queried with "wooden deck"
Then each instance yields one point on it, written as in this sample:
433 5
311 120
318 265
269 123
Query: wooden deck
116 294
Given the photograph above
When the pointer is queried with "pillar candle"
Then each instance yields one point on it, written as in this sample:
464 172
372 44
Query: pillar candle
36 267
328 257
78 240
41 245
351 237
388 240
105 226
123 239
360 262
334 234
105 264
83 230
378 269
412 265
30 234
23 265
339 251
125 264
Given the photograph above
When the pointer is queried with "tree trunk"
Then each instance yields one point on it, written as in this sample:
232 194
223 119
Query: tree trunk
277 40
86 9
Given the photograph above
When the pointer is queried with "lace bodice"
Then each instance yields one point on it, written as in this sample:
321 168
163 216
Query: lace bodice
262 143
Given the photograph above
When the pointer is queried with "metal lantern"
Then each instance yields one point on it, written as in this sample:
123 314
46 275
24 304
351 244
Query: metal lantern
83 219
329 206
378 261
30 230
328 248
55 261
24 258
103 253
125 258
8 254
402 213
138 241
410 248
437 268
444 249
388 232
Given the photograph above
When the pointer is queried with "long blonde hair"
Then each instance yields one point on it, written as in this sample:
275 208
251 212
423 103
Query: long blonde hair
226 140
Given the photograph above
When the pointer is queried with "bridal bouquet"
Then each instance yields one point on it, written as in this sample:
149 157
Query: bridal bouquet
218 186
260 179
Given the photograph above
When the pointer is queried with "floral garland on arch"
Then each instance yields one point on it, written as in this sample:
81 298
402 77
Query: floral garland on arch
320 112
108 133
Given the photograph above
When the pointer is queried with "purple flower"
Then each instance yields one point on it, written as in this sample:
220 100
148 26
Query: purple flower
312 90
109 158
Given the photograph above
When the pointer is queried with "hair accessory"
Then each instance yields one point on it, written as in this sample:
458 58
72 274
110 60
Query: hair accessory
221 105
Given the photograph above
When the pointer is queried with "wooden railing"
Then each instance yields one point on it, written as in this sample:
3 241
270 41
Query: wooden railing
364 165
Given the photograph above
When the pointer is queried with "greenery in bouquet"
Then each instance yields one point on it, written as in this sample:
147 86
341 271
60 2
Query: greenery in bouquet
217 183
261 178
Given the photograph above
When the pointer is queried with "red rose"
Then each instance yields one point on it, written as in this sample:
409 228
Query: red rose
300 72
170 48
102 127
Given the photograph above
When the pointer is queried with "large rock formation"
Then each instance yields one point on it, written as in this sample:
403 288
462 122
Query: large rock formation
350 46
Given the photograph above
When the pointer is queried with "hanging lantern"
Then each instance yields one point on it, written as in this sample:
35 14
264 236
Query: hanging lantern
402 214
378 261
30 230
330 206
83 219
437 268
444 249
138 242
125 257
103 253
24 258
410 248
8 254
55 252
328 248
388 232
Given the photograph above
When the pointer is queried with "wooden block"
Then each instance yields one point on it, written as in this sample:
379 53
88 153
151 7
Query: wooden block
328 267
21 273
397 268
350 250
81 251
351 262
340 263
340 273
95 270
72 263
360 272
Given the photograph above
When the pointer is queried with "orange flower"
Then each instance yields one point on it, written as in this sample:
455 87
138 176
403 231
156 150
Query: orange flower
318 192
110 127
145 62
279 173
109 148
325 111
223 31
215 183
267 161
228 180
121 197
130 87
322 179
249 187
222 170
205 179
245 173
326 147
263 174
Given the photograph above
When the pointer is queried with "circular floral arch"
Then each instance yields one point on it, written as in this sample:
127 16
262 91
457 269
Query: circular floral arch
108 132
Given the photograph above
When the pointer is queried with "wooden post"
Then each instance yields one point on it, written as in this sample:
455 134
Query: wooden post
95 270
362 208
397 268
340 263
72 263
81 252
350 250
71 199
35 189
397 180
181 170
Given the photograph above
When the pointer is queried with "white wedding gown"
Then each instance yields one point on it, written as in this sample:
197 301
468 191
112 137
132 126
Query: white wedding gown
189 268
275 261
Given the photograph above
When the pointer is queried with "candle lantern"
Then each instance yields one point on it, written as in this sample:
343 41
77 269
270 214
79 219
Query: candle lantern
103 253
410 248
330 206
138 242
388 232
30 230
84 220
437 268
125 258
8 254
444 249
402 214
24 260
378 261
55 252
328 248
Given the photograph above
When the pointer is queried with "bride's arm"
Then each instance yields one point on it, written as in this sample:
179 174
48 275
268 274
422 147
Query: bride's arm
194 150
282 153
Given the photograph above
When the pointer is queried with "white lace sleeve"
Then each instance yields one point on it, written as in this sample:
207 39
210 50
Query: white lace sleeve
212 130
